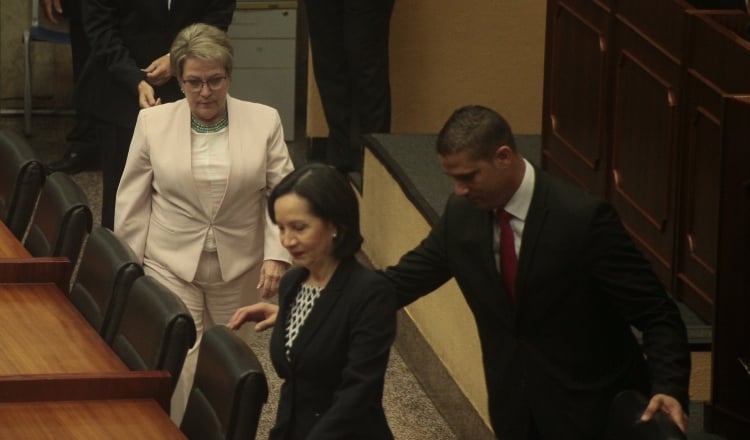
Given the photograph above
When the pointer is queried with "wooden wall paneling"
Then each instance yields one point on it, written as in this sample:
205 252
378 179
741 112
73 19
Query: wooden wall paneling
574 128
713 47
647 84
728 413
717 54
661 22
697 236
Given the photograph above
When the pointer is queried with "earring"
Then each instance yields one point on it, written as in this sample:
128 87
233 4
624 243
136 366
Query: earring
335 235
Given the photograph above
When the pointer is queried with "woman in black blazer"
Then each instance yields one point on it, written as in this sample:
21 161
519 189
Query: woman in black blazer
335 321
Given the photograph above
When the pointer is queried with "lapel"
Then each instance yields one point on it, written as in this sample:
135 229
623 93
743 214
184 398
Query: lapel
286 297
235 139
324 305
181 138
535 221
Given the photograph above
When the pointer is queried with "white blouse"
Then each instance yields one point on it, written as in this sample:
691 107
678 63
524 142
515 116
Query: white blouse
210 161
301 308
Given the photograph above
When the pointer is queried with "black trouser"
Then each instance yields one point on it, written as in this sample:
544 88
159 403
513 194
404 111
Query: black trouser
349 40
115 141
83 136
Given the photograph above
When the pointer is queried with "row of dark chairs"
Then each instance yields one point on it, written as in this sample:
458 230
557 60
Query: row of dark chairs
147 325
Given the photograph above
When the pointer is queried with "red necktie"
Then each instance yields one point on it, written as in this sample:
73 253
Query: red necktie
508 261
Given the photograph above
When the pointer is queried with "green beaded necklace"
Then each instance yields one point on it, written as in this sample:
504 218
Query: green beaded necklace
213 128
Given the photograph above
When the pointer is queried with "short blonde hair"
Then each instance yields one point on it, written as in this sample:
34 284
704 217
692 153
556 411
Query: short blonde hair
204 42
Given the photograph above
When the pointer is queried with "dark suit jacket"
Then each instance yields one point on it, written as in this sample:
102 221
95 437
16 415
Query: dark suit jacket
125 37
565 348
333 384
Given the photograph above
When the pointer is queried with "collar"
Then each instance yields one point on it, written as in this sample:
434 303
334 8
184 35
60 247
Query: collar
518 205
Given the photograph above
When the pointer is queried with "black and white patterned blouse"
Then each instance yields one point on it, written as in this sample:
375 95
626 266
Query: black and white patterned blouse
301 308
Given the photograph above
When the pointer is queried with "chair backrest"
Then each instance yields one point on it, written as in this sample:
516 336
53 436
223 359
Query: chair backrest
229 390
107 271
61 221
156 329
624 421
21 180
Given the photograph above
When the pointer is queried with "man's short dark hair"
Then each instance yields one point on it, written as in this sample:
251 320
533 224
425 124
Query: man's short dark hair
477 129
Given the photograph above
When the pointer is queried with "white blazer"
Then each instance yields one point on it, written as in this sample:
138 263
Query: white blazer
158 211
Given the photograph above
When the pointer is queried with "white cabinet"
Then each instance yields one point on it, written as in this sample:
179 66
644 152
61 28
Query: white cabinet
264 38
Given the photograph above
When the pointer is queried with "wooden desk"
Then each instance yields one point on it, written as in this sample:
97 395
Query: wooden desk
55 270
10 247
41 332
95 419
17 265
51 353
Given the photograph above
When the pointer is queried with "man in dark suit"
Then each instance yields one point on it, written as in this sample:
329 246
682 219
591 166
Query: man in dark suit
83 152
554 323
129 69
349 43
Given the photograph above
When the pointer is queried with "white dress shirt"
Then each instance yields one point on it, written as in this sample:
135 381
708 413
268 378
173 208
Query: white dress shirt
518 208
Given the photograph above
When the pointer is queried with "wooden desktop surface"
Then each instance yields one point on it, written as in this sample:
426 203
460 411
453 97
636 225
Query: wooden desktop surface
124 419
41 332
10 247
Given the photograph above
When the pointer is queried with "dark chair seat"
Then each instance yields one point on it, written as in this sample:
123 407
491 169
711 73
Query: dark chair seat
156 329
21 180
229 390
107 271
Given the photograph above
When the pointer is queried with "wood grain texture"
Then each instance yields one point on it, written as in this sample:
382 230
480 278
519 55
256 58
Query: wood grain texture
43 333
141 419
10 247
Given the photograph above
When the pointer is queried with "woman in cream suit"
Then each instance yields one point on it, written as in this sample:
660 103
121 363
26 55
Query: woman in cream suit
192 199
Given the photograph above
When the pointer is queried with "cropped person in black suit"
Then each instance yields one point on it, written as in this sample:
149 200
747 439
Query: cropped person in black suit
349 44
555 331
336 319
129 69
83 152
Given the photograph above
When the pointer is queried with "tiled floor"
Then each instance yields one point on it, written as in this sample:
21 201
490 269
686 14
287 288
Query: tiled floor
411 414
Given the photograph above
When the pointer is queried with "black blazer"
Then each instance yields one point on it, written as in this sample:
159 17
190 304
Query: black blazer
565 348
333 384
126 36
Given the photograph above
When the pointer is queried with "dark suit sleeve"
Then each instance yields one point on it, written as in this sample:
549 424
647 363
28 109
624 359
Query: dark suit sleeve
373 329
100 18
220 13
626 277
423 269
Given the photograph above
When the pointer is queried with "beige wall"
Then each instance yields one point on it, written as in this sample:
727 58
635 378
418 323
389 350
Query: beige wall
52 79
447 53
443 318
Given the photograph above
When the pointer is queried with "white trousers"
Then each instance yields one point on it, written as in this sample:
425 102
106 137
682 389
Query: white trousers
211 301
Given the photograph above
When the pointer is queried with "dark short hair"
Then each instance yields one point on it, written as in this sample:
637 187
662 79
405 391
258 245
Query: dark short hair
477 129
331 198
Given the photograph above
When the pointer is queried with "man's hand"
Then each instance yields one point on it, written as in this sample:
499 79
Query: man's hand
262 313
50 7
159 71
668 405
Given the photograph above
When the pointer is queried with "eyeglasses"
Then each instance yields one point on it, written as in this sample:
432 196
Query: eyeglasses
196 85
